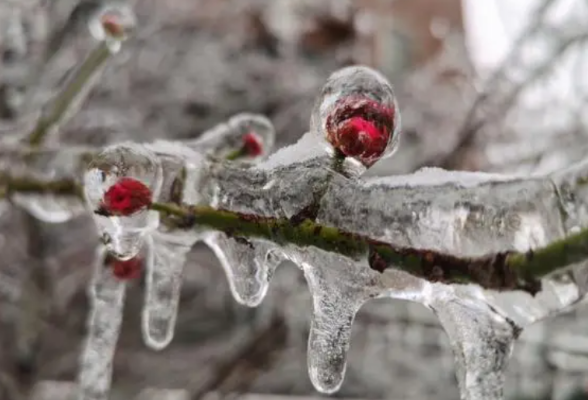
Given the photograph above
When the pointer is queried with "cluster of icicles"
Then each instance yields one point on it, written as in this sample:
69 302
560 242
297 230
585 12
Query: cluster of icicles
355 118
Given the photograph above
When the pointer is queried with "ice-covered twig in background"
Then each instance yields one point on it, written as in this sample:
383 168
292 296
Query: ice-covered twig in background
110 27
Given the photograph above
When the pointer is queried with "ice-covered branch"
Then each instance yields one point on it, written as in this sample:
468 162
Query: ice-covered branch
500 271
497 269
55 113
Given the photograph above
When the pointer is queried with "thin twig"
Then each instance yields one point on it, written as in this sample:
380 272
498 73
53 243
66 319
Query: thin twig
77 88
499 271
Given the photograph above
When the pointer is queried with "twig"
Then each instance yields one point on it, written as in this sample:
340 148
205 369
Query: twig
499 271
63 187
77 88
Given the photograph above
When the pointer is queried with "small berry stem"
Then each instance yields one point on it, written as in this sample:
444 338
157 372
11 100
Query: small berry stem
236 154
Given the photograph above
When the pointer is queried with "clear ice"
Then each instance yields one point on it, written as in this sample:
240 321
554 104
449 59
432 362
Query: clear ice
106 295
355 82
248 264
165 263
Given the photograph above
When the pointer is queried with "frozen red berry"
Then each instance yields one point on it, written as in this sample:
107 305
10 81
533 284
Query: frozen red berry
252 145
126 197
112 25
128 269
360 127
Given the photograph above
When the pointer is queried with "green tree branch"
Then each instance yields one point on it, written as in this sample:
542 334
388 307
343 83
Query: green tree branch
498 271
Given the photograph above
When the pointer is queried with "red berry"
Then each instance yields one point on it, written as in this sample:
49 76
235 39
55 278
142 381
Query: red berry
111 25
360 127
127 270
126 197
252 145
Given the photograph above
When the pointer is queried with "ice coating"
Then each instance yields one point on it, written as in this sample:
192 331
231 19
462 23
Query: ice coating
106 296
356 114
248 264
123 235
165 263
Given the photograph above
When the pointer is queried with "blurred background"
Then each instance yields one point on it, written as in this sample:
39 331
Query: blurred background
495 85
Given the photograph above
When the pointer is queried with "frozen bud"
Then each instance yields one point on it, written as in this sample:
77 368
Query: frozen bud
113 23
120 184
112 26
244 136
255 133
357 114
126 197
252 144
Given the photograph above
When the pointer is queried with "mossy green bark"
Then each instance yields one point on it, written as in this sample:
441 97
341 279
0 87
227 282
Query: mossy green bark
500 271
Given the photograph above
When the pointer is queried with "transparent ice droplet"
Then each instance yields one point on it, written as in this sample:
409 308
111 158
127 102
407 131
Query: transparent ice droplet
166 256
123 235
248 263
232 135
357 114
106 294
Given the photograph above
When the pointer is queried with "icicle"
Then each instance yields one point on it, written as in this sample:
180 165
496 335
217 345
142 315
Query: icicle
339 287
165 263
248 264
330 334
106 296
335 299
119 185
482 342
